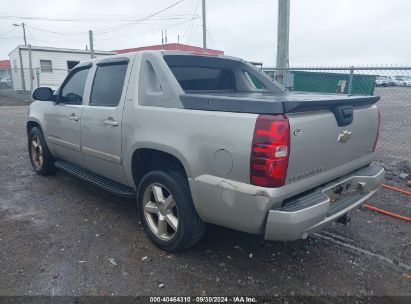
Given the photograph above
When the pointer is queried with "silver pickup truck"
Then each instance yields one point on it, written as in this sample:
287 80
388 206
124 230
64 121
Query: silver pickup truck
207 139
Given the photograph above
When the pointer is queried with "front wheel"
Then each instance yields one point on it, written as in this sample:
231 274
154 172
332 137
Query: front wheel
167 211
40 156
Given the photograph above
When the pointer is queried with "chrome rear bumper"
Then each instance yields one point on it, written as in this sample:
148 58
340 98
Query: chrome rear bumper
308 213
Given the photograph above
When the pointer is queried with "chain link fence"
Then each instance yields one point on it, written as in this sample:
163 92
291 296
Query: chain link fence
17 84
392 84
7 95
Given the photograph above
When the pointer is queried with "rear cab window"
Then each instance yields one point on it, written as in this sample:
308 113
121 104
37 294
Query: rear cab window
208 74
193 78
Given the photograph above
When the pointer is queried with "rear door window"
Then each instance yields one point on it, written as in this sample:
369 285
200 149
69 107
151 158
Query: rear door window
108 84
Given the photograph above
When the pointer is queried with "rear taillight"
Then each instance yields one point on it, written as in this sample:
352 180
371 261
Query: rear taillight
378 130
270 151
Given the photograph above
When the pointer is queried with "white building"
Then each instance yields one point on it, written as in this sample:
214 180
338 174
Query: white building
49 65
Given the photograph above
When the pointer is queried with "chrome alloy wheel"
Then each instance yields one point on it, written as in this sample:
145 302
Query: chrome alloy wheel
36 152
160 211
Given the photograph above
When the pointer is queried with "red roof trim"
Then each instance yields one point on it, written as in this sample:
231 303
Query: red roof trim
5 64
171 47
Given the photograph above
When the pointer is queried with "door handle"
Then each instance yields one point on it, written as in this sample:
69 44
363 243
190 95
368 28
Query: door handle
111 122
73 117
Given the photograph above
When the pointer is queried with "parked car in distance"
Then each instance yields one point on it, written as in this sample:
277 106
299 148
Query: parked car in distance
383 81
402 81
202 139
6 82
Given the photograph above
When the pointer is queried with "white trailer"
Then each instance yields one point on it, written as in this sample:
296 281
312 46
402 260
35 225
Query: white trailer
49 65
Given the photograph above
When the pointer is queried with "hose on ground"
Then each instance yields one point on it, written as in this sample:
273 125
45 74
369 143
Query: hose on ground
392 214
398 216
396 189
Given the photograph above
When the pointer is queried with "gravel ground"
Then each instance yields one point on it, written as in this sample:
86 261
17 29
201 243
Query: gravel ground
61 236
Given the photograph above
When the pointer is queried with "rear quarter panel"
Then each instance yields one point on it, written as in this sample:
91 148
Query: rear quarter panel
194 137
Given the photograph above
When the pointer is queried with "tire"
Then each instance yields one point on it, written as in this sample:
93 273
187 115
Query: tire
40 156
173 202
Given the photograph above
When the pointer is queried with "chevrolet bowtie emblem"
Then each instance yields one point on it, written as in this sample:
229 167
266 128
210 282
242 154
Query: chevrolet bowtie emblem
344 136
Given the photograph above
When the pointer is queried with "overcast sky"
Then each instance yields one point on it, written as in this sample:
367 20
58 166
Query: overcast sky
323 32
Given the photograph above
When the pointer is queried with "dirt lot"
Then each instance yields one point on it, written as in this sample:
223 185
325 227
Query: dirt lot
58 234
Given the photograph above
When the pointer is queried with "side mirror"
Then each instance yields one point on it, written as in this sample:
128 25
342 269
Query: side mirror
44 94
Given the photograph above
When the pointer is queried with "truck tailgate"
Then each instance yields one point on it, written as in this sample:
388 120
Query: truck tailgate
318 144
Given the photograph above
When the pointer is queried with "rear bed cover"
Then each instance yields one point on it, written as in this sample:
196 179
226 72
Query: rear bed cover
271 103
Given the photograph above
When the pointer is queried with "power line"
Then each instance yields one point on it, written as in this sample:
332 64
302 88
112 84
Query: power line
145 33
193 31
8 32
57 33
98 32
15 37
191 23
86 32
104 31
101 31
120 27
102 19
32 36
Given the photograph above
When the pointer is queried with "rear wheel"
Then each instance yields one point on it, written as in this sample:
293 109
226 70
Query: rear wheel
40 156
167 211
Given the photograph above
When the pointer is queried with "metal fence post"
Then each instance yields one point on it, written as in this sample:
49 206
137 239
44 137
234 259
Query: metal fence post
31 70
38 77
350 80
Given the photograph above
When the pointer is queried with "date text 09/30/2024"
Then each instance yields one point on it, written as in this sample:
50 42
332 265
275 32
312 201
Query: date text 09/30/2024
203 299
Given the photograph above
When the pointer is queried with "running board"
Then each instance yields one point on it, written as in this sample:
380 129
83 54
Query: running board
95 179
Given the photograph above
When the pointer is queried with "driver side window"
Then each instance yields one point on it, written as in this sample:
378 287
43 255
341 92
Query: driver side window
73 90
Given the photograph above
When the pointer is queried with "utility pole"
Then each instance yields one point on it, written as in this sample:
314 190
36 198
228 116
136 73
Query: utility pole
31 70
283 34
90 35
24 31
204 28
